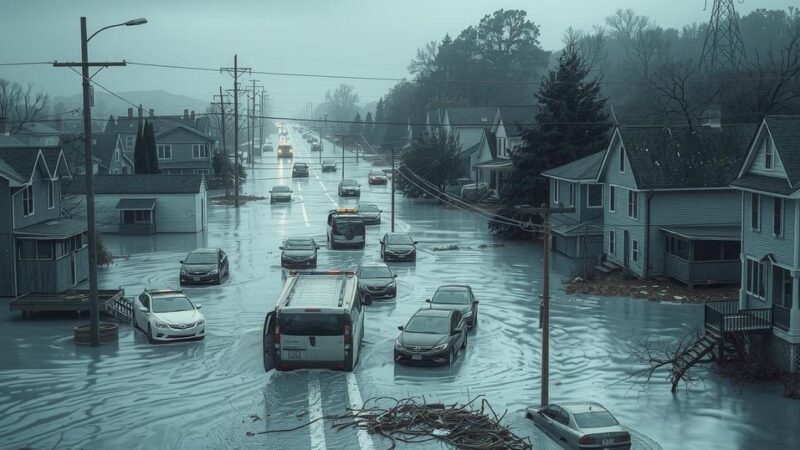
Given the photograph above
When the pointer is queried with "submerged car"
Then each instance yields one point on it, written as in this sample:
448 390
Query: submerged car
267 147
581 425
204 265
431 336
349 188
456 296
398 247
168 315
299 252
376 281
285 151
300 170
328 165
370 212
280 193
376 177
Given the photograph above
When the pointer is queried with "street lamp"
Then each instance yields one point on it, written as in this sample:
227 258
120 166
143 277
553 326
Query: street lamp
94 312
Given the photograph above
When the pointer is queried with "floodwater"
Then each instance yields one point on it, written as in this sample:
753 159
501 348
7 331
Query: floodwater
210 394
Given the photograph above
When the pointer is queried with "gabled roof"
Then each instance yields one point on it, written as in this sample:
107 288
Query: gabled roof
491 140
761 183
103 146
140 184
584 169
785 131
466 153
23 161
9 173
471 117
191 130
37 129
10 141
435 116
517 118
684 157
127 125
56 161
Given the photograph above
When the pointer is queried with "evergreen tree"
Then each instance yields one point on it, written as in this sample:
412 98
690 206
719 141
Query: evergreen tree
140 161
430 163
149 138
380 111
368 126
357 126
570 124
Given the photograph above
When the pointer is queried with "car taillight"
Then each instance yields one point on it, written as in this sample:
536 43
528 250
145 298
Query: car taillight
625 437
276 338
586 440
347 338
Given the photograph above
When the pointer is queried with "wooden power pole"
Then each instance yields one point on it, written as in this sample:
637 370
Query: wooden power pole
235 71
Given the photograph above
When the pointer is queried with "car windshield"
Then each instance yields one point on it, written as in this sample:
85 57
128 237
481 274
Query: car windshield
375 272
171 304
328 162
376 173
280 189
367 208
399 239
349 183
428 325
300 166
451 297
300 244
595 419
201 258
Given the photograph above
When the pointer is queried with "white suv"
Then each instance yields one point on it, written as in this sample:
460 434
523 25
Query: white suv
168 315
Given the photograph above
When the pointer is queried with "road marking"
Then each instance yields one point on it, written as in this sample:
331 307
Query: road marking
299 188
317 426
305 214
364 441
331 199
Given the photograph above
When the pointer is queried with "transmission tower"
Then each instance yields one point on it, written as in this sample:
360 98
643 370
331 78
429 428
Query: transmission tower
723 48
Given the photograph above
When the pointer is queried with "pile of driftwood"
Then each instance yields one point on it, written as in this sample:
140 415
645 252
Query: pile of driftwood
414 421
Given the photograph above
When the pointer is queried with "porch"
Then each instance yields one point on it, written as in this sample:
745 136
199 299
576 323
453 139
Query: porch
703 255
51 256
137 216
495 172
726 317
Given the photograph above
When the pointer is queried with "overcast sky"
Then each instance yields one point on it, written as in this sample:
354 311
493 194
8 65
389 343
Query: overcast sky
338 37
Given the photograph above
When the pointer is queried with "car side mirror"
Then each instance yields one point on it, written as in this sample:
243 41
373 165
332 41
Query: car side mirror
395 275
427 300
415 242
475 302
400 327
143 309
455 332
181 261
280 248
198 306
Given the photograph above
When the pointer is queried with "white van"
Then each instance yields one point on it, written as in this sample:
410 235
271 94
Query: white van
318 322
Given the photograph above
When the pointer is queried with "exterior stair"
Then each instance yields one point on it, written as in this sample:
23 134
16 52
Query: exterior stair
694 354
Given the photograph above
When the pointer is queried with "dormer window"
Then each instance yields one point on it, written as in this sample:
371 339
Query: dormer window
769 153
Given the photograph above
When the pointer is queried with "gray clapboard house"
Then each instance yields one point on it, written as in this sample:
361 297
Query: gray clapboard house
769 185
39 250
577 241
669 208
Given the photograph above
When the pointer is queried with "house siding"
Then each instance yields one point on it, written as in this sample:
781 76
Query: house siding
181 141
40 211
758 166
174 213
618 221
757 244
7 259
52 276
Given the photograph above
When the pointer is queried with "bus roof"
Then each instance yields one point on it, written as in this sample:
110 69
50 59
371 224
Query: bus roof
330 290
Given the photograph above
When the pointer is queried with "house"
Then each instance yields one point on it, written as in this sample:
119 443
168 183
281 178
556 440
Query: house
577 236
108 154
493 164
433 119
144 204
467 124
37 134
669 208
769 186
39 250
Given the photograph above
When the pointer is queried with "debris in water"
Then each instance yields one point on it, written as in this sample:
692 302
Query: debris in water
449 247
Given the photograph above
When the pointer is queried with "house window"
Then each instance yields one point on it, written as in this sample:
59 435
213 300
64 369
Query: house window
755 211
556 190
678 248
611 193
51 195
27 201
76 243
116 155
621 160
612 245
33 250
777 216
130 141
782 287
594 199
769 153
635 252
756 277
132 217
199 151
164 151
572 194
633 204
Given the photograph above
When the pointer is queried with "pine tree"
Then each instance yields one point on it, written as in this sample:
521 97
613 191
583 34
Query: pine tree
150 148
570 124
140 161
380 111
368 126
357 126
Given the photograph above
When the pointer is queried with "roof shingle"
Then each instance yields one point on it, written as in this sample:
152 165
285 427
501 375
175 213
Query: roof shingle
785 131
586 168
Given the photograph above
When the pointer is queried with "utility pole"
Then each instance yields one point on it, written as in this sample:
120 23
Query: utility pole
544 310
252 123
394 177
342 137
94 310
221 104
235 71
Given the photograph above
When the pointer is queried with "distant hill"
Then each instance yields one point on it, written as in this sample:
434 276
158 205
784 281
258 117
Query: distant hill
164 103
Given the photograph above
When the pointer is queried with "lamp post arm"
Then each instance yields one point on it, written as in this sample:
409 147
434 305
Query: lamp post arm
102 29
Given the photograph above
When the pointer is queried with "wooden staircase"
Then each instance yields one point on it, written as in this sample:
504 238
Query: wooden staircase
607 267
695 353
121 308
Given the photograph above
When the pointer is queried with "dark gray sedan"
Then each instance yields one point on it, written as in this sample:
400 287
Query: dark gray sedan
431 336
299 252
398 247
376 281
204 265
457 296
584 425
280 193
370 212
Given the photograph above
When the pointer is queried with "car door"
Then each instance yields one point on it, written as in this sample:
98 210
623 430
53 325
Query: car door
461 326
551 416
269 343
383 245
143 301
223 263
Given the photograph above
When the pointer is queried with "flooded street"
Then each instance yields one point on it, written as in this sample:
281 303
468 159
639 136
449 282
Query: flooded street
54 394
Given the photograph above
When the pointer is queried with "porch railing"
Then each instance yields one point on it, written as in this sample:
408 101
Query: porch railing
725 316
781 317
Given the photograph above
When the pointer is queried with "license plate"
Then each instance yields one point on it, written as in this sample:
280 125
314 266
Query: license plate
608 441
293 354
416 357
196 278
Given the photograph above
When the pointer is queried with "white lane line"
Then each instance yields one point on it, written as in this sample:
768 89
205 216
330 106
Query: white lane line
317 426
333 202
305 214
364 441
299 188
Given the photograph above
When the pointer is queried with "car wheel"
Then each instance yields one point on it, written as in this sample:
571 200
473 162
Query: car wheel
219 280
150 334
451 357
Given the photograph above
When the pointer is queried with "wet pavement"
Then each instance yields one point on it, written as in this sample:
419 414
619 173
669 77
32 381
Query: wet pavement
209 394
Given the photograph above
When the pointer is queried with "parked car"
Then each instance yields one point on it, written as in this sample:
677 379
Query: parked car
349 188
267 147
285 151
300 170
376 281
398 247
168 315
328 165
370 212
376 177
204 265
316 147
582 425
431 336
280 193
456 296
299 252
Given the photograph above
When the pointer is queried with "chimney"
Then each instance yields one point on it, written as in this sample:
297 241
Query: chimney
192 115
130 113
141 112
185 113
712 116
152 112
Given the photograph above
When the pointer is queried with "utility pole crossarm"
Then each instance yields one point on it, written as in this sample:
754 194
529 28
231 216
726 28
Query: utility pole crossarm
89 64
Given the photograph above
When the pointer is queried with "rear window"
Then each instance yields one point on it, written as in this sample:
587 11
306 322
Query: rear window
346 225
595 419
312 324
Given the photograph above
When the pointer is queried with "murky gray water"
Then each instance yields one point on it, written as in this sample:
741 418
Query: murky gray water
202 394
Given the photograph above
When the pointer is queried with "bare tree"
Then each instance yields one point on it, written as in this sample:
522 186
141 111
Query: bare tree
665 357
680 89
591 46
19 104
643 42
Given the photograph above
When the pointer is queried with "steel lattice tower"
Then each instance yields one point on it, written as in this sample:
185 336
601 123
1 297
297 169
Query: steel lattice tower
723 48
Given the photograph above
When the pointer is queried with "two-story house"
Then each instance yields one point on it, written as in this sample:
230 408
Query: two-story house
38 134
769 186
577 236
492 164
468 123
108 154
669 208
39 250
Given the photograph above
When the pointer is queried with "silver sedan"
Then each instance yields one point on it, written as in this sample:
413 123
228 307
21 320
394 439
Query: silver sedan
584 425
